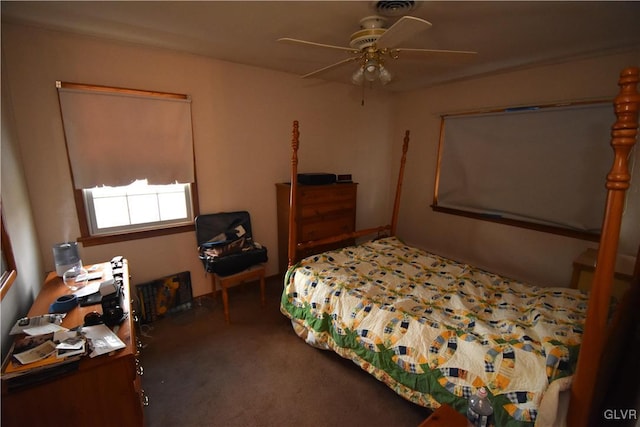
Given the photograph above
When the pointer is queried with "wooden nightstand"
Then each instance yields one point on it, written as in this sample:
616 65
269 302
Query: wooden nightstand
445 416
585 265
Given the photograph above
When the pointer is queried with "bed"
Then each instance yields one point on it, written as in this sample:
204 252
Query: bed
434 330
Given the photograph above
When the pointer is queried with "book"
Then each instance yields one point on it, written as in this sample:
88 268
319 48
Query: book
36 354
42 375
33 354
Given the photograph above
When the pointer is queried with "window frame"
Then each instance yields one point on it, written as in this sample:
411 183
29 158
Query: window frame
89 200
562 230
10 273
87 239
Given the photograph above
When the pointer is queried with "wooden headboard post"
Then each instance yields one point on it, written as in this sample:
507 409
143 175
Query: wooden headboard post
624 132
396 203
293 238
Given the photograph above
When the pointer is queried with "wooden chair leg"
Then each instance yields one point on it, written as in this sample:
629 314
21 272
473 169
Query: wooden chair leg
225 302
228 281
214 291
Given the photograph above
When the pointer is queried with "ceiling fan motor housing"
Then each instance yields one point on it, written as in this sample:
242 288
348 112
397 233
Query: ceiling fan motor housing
372 27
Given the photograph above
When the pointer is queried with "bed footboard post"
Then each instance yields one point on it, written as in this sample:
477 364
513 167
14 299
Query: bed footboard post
396 203
623 133
293 238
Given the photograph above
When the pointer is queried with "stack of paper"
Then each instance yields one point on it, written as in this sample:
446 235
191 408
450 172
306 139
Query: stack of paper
37 353
45 344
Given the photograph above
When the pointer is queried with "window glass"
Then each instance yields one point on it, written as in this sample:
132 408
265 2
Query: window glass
138 206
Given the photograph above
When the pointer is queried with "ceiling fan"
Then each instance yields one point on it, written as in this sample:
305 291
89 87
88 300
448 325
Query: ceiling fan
373 44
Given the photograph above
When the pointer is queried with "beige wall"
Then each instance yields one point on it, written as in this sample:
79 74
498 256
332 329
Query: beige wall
242 119
537 257
18 220
242 130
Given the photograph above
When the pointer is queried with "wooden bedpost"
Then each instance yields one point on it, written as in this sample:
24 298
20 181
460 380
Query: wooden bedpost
623 133
396 203
293 239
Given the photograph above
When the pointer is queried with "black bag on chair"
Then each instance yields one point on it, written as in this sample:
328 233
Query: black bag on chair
225 243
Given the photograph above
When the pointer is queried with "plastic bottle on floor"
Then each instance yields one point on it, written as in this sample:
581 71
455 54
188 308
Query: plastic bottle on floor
480 411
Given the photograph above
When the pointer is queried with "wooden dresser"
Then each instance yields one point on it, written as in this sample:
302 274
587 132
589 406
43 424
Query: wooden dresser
103 391
322 211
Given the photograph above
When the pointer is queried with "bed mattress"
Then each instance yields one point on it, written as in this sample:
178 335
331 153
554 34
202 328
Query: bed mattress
434 330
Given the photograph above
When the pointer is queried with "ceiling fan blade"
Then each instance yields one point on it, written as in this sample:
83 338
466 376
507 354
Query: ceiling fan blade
399 52
404 28
305 42
329 67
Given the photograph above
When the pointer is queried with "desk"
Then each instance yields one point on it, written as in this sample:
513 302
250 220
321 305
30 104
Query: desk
103 391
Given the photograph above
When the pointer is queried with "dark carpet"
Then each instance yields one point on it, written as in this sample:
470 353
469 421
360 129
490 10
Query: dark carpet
199 371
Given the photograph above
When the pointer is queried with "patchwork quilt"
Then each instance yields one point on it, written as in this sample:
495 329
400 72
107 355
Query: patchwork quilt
435 330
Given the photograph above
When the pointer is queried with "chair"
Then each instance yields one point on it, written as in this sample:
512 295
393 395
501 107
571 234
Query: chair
227 250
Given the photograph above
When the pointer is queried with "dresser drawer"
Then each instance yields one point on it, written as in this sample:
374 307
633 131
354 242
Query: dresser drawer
336 193
314 230
326 210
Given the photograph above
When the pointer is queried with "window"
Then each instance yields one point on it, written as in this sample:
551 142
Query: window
537 167
138 206
127 149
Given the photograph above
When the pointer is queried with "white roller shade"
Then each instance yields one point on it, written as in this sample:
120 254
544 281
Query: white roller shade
114 138
540 165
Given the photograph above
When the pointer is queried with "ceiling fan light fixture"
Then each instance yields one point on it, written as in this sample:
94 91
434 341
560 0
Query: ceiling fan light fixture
371 70
358 76
384 75
371 75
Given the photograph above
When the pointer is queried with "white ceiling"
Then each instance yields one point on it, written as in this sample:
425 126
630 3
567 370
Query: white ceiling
506 34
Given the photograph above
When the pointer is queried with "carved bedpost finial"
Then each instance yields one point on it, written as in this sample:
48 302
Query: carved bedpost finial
625 129
295 141
293 238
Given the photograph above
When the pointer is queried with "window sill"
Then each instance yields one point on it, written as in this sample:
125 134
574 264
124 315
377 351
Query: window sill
135 235
576 234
